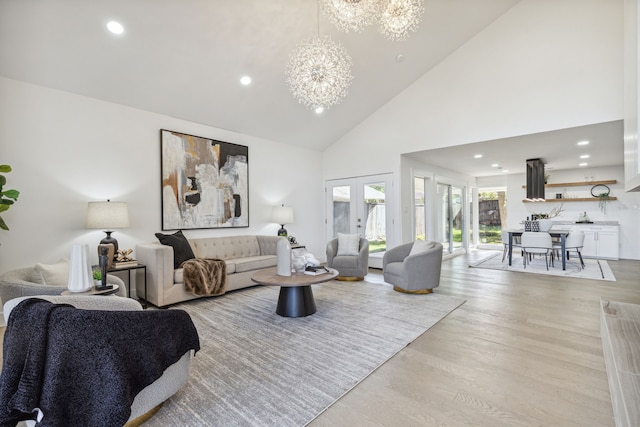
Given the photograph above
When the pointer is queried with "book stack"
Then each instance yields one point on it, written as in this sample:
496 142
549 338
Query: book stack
123 264
314 271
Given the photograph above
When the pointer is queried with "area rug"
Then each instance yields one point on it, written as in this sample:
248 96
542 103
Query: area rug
594 269
256 368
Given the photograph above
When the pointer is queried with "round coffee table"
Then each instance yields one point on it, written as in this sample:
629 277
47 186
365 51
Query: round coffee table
296 297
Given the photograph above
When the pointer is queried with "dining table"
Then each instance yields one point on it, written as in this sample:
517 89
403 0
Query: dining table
562 234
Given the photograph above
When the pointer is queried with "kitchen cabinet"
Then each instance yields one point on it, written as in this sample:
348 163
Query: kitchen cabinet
600 241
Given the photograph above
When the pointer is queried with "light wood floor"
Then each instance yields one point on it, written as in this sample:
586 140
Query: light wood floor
524 350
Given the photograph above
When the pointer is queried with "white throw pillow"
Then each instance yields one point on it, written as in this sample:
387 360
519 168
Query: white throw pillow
52 274
419 246
348 244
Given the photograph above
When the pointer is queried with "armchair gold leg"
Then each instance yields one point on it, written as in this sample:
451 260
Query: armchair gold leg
349 278
419 291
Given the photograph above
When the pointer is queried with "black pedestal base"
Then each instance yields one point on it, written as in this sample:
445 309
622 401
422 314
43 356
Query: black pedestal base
296 301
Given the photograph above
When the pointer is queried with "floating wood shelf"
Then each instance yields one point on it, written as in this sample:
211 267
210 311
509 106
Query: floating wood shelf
579 184
576 199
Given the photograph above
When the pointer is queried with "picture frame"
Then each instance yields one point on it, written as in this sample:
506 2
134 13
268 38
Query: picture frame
204 182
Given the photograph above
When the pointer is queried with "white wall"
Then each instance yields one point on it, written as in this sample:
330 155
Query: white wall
67 150
625 210
544 65
631 98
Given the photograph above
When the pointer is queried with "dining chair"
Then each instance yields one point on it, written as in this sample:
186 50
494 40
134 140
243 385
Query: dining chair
536 243
573 243
505 243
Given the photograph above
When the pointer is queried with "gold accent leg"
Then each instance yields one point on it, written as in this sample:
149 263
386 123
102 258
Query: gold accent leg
419 291
350 278
136 422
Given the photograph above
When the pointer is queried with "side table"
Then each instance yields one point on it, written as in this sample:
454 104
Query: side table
133 268
112 290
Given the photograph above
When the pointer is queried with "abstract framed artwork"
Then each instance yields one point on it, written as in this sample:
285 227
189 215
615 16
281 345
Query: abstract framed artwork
205 182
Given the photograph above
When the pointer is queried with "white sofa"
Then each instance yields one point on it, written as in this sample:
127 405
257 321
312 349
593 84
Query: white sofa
243 255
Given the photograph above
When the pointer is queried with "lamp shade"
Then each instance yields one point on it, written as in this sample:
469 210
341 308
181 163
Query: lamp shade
108 215
282 215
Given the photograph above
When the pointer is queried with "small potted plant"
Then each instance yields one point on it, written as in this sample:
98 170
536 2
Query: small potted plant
602 192
97 277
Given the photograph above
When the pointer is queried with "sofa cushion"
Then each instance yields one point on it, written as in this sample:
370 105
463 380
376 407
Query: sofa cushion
348 244
181 249
229 247
51 274
254 262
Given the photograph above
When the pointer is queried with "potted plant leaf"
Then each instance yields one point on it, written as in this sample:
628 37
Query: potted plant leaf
602 192
7 197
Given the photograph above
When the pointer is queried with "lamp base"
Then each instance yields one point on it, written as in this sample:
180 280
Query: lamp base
110 241
281 232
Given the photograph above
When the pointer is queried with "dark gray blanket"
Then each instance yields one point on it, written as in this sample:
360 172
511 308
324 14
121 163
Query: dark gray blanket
85 367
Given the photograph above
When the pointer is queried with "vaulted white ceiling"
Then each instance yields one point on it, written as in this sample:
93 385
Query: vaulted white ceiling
184 58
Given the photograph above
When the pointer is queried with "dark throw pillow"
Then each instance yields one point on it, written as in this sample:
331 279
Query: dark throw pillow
181 249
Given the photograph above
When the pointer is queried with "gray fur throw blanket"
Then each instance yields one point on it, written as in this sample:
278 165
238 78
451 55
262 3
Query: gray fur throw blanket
205 276
85 367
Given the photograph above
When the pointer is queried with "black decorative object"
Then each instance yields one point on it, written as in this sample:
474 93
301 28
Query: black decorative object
600 193
104 262
535 179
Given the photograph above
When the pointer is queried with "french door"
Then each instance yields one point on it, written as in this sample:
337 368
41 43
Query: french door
451 217
362 206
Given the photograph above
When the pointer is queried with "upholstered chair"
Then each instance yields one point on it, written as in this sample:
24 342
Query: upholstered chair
573 243
536 243
21 282
148 401
413 267
349 254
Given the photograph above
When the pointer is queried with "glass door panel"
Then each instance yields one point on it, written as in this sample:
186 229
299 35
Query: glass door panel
341 201
456 218
375 221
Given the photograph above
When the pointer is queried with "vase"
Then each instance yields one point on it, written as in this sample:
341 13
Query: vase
283 255
545 224
80 275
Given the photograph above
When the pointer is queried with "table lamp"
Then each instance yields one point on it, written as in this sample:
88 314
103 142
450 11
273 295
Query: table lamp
107 216
282 215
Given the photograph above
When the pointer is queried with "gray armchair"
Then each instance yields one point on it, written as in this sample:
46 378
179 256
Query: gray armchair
350 267
413 270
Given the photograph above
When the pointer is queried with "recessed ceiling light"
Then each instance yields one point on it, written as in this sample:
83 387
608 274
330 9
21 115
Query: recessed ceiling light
115 27
583 143
245 80
584 156
477 156
495 165
505 170
583 164
319 110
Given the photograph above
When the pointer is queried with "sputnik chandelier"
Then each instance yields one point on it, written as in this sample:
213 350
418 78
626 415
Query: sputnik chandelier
351 15
319 69
397 18
319 72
